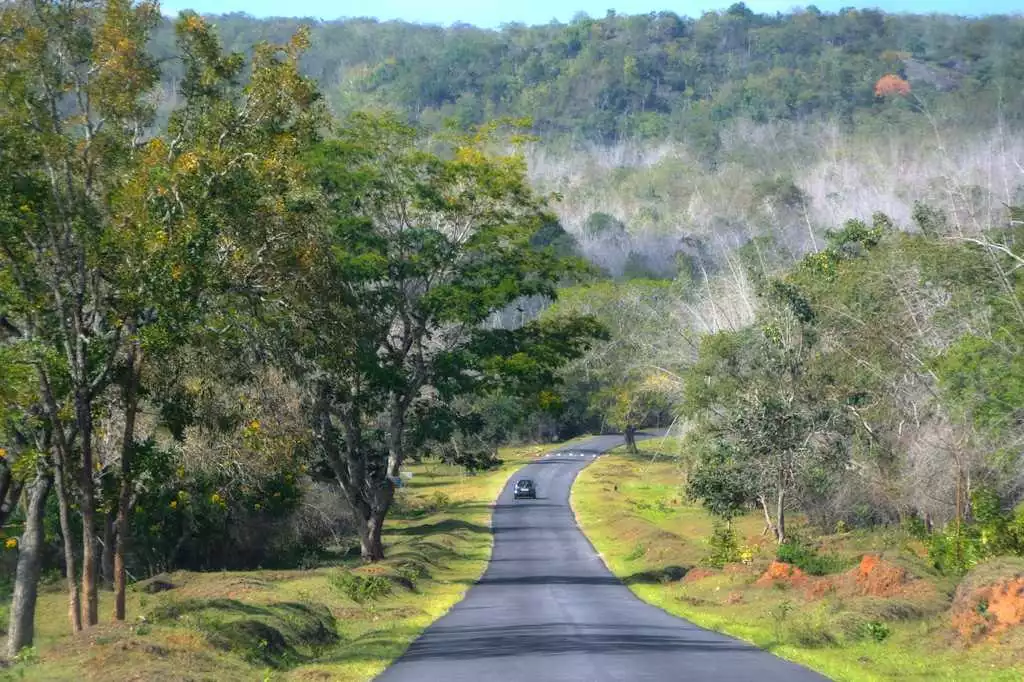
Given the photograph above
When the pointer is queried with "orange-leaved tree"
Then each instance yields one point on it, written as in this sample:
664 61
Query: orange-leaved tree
891 85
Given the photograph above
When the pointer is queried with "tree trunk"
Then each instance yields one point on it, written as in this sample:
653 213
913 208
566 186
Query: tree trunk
769 527
83 413
21 628
631 440
780 518
107 558
131 403
63 507
371 546
62 453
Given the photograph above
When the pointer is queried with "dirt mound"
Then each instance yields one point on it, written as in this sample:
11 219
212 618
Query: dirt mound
872 577
876 577
780 572
988 610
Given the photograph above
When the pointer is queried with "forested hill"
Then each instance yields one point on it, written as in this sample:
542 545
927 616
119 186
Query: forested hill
661 75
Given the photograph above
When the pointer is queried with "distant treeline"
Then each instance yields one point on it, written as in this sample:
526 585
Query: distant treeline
660 75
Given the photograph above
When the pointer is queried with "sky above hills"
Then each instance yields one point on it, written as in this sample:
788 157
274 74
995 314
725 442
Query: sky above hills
492 14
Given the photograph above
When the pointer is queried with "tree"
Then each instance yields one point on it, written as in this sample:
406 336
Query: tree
417 253
625 375
891 85
766 419
115 247
207 209
74 80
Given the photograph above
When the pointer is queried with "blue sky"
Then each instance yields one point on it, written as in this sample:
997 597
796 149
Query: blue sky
492 14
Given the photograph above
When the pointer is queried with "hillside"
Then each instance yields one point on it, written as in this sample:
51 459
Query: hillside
662 76
696 135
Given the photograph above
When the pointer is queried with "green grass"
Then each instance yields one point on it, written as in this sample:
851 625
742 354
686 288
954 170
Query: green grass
344 622
634 510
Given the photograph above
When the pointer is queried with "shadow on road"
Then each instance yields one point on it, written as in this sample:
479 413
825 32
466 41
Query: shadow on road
550 580
561 638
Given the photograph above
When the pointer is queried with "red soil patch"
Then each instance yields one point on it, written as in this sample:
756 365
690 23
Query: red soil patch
873 577
989 610
781 572
878 578
696 574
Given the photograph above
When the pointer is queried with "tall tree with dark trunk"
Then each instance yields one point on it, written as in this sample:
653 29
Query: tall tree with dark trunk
73 77
416 253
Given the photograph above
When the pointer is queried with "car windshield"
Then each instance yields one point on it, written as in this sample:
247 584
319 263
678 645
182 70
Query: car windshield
525 484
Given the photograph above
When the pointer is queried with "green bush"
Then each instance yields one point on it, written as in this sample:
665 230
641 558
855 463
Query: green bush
439 501
805 557
991 532
722 545
360 588
877 630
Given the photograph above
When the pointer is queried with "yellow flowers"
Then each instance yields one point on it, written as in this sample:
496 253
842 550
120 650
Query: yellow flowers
194 23
3 453
218 500
254 425
188 162
11 543
173 504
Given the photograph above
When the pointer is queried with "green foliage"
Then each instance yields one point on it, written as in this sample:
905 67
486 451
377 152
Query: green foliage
360 588
638 551
603 225
652 76
992 531
877 631
723 547
779 615
799 553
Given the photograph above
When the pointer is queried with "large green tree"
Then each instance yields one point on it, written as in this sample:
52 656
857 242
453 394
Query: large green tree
118 246
416 254
768 423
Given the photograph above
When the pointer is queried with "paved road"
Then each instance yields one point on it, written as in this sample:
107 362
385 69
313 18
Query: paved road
548 609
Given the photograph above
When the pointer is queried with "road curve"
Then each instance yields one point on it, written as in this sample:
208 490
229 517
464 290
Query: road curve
548 609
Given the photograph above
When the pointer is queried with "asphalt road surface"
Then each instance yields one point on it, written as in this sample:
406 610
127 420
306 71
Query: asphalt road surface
548 609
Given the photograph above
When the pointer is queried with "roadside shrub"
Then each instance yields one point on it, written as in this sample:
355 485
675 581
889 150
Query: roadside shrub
992 532
877 630
439 501
779 615
722 545
638 551
360 588
797 552
411 572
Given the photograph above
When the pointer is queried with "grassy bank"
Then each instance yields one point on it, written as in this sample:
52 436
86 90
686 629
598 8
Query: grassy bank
339 620
634 511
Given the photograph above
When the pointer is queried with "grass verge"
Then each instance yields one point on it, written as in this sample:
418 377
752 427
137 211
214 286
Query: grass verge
344 621
634 511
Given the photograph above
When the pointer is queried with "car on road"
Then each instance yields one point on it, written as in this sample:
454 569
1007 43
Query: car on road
524 488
